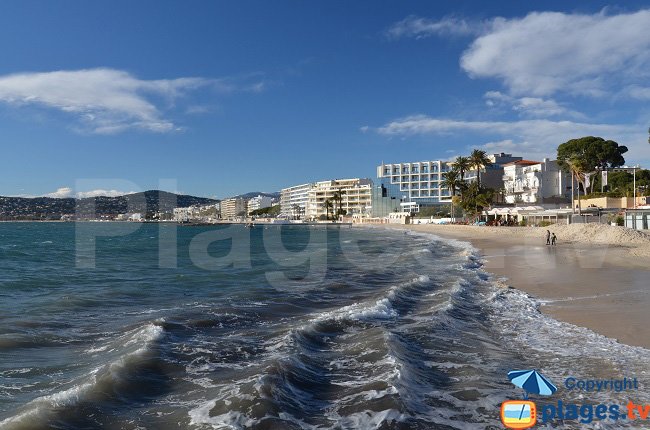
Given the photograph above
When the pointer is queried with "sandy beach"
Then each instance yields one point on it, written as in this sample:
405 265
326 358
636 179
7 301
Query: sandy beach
596 276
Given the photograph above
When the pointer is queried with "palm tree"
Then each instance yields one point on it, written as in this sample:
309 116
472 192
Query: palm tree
462 164
295 210
577 169
328 206
478 160
451 181
338 197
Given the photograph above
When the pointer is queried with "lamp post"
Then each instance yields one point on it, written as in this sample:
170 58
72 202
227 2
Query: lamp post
634 174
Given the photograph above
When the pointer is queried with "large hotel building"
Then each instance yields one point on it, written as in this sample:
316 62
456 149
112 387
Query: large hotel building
307 201
420 183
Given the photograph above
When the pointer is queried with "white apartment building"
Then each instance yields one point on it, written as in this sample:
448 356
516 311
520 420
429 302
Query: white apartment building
417 182
259 202
207 212
293 201
527 181
233 208
355 197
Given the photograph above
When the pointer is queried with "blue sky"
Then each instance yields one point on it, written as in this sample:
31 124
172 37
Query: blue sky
220 98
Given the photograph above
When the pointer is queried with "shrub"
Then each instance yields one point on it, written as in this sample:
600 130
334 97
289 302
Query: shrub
620 221
522 223
545 223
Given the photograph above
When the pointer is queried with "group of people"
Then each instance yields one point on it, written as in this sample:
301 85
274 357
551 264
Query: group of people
551 238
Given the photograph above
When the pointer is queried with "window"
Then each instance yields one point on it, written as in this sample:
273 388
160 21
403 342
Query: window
425 169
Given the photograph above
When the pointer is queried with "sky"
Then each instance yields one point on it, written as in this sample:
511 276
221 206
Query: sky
221 98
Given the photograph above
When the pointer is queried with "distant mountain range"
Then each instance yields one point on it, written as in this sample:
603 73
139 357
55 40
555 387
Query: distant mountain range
252 194
47 208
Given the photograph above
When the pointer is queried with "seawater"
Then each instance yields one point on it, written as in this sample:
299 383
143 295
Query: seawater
276 327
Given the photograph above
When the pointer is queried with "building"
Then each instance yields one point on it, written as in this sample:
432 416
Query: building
293 201
386 199
492 175
199 213
351 196
535 182
415 183
418 184
136 217
638 219
259 202
233 208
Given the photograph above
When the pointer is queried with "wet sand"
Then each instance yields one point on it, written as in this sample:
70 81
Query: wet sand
604 288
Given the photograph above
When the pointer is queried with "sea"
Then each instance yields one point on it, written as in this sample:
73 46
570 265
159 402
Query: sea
159 326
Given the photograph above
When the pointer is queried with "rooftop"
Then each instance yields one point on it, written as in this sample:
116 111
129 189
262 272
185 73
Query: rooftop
522 163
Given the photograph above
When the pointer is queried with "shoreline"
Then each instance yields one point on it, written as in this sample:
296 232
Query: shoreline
588 281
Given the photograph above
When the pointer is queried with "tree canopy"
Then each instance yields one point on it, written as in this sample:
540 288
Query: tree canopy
595 153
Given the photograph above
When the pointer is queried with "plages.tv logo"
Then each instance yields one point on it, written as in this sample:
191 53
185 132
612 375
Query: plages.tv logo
522 414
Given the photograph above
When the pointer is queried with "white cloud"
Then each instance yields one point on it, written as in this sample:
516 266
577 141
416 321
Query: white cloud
60 193
66 192
637 92
107 101
532 138
548 52
418 27
530 106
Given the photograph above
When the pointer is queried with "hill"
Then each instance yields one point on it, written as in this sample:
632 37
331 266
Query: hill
46 208
275 195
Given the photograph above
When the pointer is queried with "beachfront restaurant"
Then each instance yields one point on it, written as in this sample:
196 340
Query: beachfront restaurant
553 216
509 213
637 219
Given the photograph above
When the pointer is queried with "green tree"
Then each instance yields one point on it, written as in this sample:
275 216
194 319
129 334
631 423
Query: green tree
451 180
338 198
462 164
476 199
479 160
328 206
595 154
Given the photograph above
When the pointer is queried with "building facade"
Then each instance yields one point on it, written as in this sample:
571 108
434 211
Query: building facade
492 175
535 182
415 183
293 201
259 202
419 183
233 208
351 196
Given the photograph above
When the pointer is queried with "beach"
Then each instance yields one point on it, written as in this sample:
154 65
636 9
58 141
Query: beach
595 277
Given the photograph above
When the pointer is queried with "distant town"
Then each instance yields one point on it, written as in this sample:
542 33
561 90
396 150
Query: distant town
480 188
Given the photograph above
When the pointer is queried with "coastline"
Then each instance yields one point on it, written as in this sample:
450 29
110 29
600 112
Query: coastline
596 277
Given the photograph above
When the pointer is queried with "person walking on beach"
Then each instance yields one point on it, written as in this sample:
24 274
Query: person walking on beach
548 237
554 239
